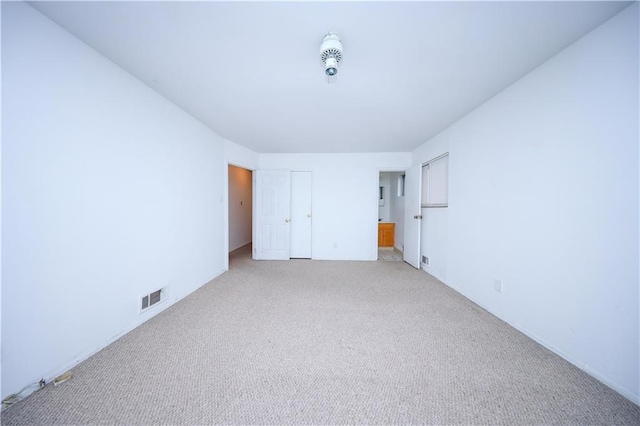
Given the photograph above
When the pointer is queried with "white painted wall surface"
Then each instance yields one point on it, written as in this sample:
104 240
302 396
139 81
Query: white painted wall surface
544 196
240 207
108 191
345 199
238 155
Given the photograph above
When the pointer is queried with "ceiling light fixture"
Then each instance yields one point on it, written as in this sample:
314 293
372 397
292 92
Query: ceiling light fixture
331 54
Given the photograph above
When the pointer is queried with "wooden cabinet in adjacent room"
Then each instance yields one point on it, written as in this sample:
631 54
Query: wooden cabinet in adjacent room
386 234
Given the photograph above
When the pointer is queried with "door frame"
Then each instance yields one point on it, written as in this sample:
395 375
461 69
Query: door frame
225 205
377 191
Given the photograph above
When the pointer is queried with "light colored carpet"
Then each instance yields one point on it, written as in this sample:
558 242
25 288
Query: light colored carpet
320 342
389 254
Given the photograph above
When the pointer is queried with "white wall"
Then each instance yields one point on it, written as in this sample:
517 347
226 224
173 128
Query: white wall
345 199
108 191
543 194
240 207
240 156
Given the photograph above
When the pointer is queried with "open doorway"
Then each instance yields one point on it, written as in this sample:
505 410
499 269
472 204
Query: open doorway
391 215
240 213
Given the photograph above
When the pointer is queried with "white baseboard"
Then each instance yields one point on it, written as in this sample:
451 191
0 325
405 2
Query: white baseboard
598 375
84 356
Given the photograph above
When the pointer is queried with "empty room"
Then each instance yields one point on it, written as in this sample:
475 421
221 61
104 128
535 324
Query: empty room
317 212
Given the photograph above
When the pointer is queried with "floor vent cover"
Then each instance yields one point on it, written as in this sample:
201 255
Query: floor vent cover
152 299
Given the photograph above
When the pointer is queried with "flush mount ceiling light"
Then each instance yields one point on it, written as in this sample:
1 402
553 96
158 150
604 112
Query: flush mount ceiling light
331 54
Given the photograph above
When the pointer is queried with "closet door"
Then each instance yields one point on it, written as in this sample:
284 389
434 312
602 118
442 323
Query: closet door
301 215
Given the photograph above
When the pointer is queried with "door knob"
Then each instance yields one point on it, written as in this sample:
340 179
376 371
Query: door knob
287 220
309 215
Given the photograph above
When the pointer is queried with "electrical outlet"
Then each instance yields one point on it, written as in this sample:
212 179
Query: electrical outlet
497 285
425 260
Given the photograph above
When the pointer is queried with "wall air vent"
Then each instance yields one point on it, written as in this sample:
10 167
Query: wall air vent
149 300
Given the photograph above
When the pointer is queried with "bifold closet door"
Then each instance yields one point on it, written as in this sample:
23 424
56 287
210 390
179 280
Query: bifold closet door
301 217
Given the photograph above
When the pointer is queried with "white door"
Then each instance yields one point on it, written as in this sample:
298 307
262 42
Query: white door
301 215
273 192
412 215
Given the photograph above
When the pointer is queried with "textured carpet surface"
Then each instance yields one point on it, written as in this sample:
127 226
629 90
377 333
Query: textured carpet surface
389 255
320 342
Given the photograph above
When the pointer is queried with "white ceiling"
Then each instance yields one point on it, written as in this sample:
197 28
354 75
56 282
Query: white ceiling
251 71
